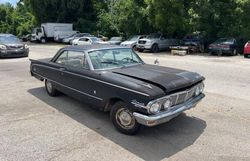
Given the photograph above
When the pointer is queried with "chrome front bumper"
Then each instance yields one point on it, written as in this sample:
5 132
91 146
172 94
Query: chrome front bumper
163 117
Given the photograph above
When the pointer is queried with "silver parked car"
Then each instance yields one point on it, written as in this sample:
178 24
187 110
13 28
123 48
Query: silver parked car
131 42
88 41
156 42
115 40
68 40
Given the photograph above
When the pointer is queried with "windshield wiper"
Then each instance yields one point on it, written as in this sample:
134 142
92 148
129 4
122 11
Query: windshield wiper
112 62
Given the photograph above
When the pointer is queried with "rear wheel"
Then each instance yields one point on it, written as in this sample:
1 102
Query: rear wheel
123 119
50 88
155 48
246 56
234 53
43 40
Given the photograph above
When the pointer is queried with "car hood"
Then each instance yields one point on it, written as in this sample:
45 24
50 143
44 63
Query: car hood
14 44
168 79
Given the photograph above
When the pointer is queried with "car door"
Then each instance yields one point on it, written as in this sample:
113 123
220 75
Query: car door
164 42
76 77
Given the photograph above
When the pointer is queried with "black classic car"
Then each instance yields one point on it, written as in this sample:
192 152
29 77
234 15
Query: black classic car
115 79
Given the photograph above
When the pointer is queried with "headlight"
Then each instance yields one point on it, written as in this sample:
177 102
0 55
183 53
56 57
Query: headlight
155 108
167 104
26 46
197 91
3 47
202 87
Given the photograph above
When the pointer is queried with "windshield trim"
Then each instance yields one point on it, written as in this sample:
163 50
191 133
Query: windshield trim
118 67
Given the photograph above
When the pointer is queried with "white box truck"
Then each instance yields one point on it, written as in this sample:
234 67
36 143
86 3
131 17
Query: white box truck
52 31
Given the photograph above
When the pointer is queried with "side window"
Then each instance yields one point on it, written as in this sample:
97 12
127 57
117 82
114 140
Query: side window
73 59
77 59
82 39
63 58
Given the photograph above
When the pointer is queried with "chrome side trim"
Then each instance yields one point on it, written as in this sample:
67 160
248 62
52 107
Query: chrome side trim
131 90
71 88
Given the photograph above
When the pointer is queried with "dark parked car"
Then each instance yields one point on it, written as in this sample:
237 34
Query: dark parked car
196 42
247 49
113 78
228 46
11 46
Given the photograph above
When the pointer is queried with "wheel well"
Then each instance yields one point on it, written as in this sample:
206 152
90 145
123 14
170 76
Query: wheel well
154 44
110 103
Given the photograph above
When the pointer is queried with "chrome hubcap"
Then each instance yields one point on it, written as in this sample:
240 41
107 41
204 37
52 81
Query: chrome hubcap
49 86
125 118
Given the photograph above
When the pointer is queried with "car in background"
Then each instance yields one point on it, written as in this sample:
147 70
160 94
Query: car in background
156 42
88 41
247 50
196 41
115 40
131 42
69 39
26 38
227 46
11 46
103 38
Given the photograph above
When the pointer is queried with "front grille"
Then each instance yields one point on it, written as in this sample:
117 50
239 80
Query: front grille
14 47
141 42
182 97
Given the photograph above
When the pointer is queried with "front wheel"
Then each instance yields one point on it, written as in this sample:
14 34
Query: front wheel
246 56
50 88
43 40
155 48
123 119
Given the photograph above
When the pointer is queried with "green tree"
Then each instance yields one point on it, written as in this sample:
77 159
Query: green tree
124 17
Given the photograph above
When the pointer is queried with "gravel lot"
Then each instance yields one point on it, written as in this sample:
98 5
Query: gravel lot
34 126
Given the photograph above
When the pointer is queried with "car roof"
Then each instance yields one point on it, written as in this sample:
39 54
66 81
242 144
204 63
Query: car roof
93 47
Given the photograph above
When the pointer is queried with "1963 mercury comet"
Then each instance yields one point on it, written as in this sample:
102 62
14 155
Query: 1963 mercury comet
115 79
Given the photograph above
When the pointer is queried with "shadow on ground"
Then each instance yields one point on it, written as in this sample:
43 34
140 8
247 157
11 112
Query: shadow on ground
152 144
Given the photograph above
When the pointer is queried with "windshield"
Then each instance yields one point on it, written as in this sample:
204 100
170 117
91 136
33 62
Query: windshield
114 58
134 38
154 36
9 40
225 41
116 39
